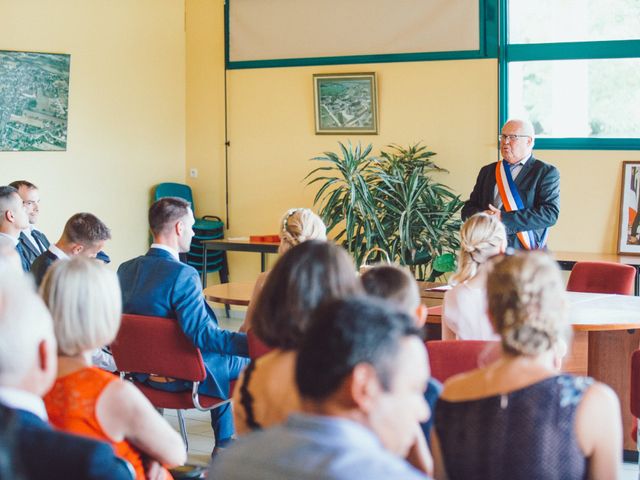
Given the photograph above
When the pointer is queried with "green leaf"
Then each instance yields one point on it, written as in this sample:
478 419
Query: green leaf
445 263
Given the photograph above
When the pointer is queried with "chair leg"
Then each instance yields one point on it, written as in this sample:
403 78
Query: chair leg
183 429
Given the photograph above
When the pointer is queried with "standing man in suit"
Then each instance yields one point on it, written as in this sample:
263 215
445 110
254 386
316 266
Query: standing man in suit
28 364
33 241
13 220
84 234
158 284
522 191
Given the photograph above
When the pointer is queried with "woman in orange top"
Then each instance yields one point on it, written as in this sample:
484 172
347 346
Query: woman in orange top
85 303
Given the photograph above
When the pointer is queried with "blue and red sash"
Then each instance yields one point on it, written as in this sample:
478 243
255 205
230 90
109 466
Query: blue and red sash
512 201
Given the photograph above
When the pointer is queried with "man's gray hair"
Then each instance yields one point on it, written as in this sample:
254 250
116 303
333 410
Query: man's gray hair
24 323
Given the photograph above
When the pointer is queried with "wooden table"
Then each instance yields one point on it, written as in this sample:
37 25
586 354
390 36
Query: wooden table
606 332
229 245
230 293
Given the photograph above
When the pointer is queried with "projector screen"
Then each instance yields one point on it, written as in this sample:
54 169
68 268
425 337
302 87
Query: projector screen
294 29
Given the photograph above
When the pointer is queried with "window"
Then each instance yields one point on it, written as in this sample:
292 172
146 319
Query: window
573 68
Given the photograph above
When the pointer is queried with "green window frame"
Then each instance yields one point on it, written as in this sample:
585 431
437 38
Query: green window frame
613 49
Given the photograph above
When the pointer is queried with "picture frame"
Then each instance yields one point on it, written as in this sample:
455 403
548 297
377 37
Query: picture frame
346 103
629 225
34 105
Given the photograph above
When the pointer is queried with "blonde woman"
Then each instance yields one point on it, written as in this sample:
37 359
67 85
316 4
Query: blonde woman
297 225
464 307
517 417
85 303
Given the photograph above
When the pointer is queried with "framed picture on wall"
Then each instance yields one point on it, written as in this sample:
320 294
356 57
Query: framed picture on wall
629 227
34 98
346 103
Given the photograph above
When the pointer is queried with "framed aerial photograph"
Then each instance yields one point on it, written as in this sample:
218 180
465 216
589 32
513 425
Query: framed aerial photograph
629 227
34 100
346 103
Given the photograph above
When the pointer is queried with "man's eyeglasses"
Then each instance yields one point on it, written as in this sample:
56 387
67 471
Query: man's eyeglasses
511 138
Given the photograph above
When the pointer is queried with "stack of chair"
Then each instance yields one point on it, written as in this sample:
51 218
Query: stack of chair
208 227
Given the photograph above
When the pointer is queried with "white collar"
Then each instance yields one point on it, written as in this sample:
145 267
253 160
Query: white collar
57 252
166 248
23 400
13 239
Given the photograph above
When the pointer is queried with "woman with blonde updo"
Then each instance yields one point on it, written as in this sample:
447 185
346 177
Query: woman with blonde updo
518 417
464 308
297 225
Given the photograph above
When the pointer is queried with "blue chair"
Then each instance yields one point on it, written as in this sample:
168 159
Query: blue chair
208 227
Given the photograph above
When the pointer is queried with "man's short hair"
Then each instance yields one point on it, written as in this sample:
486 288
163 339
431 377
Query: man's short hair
85 229
24 323
392 283
165 212
347 332
7 198
22 183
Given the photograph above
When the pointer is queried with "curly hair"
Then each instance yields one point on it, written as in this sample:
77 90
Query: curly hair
527 303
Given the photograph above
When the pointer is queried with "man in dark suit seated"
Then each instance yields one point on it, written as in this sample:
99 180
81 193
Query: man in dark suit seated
84 234
158 284
522 191
14 219
33 241
28 364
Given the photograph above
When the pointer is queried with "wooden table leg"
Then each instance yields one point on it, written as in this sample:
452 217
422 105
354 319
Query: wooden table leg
610 363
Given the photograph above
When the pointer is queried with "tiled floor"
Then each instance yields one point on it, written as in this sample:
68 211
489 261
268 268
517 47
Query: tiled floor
200 434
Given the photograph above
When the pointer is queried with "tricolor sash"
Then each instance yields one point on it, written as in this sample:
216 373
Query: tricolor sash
512 201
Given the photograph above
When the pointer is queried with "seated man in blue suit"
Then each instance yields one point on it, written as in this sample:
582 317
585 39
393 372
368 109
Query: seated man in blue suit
158 284
28 365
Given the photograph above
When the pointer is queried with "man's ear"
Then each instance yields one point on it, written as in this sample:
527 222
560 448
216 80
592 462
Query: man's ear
364 387
179 227
43 356
76 248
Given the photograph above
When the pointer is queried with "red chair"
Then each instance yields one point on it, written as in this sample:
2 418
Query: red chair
257 347
451 357
157 346
602 277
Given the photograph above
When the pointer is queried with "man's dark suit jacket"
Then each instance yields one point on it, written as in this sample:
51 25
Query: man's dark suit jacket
157 284
41 264
28 251
538 184
41 453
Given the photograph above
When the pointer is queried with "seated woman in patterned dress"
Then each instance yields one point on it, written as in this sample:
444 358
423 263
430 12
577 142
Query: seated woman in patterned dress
85 303
518 418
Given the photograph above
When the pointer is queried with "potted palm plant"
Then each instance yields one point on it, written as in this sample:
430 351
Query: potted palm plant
390 202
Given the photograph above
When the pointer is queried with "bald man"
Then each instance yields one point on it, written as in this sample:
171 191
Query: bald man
522 191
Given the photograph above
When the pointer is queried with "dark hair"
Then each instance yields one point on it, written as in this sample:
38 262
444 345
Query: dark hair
5 198
165 211
304 277
22 183
85 229
6 191
392 283
345 333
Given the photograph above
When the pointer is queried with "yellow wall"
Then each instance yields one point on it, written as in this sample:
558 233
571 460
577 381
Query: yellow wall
451 106
126 110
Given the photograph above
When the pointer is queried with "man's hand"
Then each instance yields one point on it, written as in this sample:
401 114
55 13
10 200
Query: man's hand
153 470
494 211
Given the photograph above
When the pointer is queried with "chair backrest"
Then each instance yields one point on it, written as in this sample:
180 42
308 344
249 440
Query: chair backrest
257 347
158 346
634 403
174 190
602 277
451 357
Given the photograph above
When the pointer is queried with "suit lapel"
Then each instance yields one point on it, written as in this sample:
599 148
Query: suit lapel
526 168
28 246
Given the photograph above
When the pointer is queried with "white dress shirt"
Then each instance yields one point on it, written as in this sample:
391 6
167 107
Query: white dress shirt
23 400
